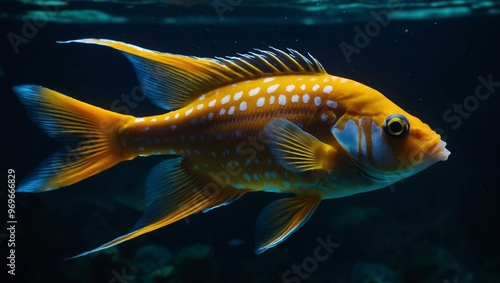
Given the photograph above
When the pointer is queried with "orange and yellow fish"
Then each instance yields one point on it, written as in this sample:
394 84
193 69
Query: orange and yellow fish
271 121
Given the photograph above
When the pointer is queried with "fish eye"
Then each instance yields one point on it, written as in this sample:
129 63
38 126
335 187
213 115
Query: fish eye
396 126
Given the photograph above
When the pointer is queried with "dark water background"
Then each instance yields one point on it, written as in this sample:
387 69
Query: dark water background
441 225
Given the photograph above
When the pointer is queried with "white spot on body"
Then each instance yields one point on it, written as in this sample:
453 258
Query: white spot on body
306 98
201 97
315 87
231 110
272 98
243 106
313 79
254 91
342 80
138 120
331 103
266 80
237 95
210 116
222 111
324 116
290 88
225 99
247 177
303 87
327 89
167 117
295 98
153 119
317 100
176 116
189 111
261 101
282 99
272 88
200 106
212 103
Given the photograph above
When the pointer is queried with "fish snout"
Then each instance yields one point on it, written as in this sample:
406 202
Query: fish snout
438 152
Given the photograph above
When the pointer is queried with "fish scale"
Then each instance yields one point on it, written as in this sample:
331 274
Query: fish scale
272 121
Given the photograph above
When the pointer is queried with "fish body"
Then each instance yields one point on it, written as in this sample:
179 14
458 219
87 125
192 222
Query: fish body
267 121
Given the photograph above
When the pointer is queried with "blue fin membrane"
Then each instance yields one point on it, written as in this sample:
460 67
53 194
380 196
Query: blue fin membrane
279 219
173 192
172 81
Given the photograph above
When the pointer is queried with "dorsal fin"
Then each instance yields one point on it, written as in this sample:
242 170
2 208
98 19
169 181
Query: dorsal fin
172 81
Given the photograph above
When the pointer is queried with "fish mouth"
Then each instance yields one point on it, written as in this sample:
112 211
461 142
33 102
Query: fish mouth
438 152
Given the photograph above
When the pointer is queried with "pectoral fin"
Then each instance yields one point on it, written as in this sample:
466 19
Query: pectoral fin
173 192
295 149
278 220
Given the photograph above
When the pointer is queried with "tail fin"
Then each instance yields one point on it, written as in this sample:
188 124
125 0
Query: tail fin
91 135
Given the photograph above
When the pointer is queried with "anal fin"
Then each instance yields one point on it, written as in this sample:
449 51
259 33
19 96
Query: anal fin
279 219
173 192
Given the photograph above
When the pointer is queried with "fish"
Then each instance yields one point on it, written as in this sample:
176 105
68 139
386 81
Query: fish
264 121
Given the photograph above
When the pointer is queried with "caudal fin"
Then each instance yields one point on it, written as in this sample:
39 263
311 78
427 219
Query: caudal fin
91 135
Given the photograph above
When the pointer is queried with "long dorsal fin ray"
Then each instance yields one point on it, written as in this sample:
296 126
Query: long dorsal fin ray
172 81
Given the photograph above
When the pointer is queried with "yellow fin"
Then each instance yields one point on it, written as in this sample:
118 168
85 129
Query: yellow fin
295 149
172 81
279 219
173 192
91 135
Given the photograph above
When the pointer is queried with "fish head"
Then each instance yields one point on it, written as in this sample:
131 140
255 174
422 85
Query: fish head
387 144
